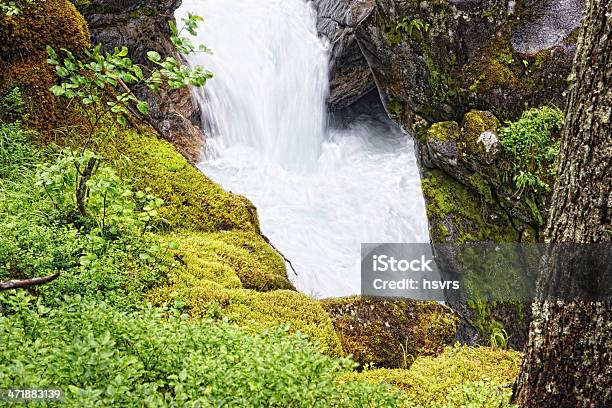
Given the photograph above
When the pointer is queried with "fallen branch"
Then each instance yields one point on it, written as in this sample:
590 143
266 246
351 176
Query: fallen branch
279 252
26 283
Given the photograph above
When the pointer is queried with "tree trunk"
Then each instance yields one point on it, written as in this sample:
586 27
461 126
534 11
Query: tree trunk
568 358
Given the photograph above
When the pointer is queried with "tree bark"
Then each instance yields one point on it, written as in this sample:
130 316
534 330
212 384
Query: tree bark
568 357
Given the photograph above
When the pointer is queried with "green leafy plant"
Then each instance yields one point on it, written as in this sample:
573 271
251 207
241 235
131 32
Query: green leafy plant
479 394
12 8
99 83
499 337
104 77
532 142
414 28
110 201
100 355
12 108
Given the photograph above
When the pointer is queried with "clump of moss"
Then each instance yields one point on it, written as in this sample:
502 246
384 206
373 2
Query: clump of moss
460 375
23 41
474 124
233 258
445 131
252 310
391 333
51 22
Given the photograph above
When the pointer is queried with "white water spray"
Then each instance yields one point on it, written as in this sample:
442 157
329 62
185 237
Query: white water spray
319 192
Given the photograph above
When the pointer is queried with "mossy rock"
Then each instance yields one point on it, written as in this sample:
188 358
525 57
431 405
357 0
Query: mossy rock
23 63
475 123
191 200
433 381
234 259
458 214
391 332
255 311
444 131
56 23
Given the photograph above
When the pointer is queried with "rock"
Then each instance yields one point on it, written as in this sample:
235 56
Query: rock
438 59
391 333
350 76
143 26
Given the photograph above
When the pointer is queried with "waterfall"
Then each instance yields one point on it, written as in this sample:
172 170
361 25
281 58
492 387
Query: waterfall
320 191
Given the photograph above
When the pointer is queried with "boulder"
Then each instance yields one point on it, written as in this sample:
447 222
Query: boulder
391 333
143 26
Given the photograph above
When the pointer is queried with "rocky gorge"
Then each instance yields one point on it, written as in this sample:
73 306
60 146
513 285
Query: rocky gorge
449 72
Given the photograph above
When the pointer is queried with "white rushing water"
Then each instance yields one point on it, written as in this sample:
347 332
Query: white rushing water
319 192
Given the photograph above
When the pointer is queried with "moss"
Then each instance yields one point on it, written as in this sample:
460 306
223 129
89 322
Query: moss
252 310
478 183
474 124
444 131
391 333
23 41
572 38
234 259
450 202
192 201
433 381
51 22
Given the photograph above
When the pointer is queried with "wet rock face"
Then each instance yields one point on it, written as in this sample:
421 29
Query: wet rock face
143 26
439 59
350 75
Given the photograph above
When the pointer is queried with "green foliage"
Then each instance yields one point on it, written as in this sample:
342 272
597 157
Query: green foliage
11 8
12 108
486 326
499 338
110 202
103 78
102 356
479 394
533 144
414 28
37 239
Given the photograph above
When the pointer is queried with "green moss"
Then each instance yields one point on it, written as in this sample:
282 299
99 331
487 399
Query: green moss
41 23
448 201
445 131
252 310
234 259
474 124
433 381
478 183
23 41
192 201
391 333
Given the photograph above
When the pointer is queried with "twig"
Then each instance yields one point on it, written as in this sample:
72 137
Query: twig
279 252
26 283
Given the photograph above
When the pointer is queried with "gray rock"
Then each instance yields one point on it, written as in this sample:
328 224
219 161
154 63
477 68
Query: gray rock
545 24
350 75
